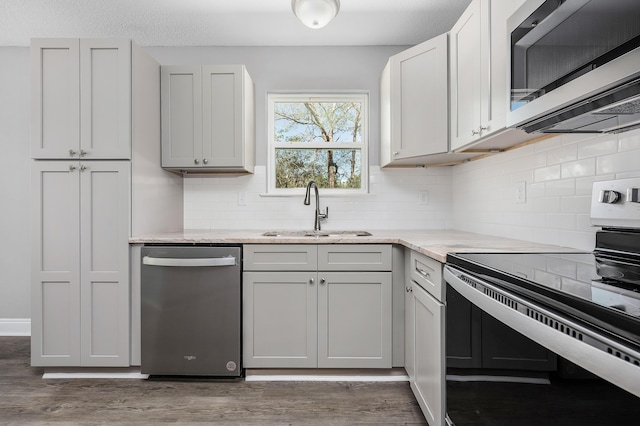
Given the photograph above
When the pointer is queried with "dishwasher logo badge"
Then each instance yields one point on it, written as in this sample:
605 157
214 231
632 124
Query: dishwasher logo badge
189 357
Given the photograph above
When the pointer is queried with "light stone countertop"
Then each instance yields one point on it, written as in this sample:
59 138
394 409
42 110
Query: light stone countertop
433 243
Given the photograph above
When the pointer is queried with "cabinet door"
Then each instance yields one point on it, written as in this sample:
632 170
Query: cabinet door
466 76
105 98
409 332
429 384
419 99
463 332
55 98
354 320
55 273
280 319
222 115
104 262
181 93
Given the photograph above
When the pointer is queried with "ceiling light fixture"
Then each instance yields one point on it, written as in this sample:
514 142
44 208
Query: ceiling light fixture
315 13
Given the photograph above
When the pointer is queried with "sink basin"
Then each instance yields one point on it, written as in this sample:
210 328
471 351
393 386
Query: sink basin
287 233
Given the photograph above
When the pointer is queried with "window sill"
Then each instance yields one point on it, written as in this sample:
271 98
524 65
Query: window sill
322 195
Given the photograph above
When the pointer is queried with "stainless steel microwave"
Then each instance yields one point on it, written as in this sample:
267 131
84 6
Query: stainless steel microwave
574 66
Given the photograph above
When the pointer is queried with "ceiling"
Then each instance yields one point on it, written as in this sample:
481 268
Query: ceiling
226 22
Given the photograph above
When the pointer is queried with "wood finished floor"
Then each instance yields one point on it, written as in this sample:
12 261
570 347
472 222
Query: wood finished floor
26 399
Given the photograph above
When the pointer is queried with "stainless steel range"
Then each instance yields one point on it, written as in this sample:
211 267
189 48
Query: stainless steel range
582 307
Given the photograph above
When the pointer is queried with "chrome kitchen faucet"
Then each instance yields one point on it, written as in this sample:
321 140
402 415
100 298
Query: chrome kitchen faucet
307 200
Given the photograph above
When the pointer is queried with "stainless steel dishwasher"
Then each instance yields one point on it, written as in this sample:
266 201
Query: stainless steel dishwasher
191 311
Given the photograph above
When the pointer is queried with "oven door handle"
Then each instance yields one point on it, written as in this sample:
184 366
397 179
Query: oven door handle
189 263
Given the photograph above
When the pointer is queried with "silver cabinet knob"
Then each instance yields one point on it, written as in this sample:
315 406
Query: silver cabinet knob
72 152
609 196
479 131
196 161
205 161
323 281
83 153
72 167
311 280
633 195
83 168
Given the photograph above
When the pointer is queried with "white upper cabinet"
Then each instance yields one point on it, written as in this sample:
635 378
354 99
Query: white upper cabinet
414 102
207 118
466 76
414 107
478 78
81 98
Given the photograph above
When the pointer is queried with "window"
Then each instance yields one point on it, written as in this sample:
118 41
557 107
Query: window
318 137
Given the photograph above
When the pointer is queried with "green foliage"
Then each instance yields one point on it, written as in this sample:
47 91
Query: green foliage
296 167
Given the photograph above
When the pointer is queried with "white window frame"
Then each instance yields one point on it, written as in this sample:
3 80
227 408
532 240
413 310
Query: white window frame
272 98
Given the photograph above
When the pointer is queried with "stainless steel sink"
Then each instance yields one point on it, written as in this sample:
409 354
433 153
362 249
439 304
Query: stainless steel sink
344 234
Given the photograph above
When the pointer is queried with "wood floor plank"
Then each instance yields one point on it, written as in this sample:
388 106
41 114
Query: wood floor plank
25 398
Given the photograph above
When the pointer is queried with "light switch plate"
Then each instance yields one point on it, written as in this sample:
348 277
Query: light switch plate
423 197
521 191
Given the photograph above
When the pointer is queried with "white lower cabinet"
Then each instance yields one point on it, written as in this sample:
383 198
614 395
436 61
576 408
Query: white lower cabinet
80 263
316 318
280 319
424 339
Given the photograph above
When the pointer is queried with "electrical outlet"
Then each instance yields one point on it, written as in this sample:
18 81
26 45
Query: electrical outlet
423 197
521 191
242 198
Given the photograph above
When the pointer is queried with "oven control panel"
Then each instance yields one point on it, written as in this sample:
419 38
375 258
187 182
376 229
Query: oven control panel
616 203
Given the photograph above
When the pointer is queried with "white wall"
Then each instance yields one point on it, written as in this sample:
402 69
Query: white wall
15 175
559 173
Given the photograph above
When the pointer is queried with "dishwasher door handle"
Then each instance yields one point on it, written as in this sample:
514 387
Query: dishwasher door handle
209 261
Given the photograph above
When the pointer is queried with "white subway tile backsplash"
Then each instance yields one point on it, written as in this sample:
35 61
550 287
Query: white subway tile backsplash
478 196
558 190
543 174
562 154
211 202
586 167
561 221
629 141
547 204
607 144
627 161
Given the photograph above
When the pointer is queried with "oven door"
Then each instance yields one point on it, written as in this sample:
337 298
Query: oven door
498 400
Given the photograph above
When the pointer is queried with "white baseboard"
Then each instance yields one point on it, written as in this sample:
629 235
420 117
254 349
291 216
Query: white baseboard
15 326
314 378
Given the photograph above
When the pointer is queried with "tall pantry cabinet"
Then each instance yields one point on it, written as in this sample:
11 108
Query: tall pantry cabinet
96 177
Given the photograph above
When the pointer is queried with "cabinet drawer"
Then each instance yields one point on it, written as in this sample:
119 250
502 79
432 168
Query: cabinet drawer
277 257
354 257
427 272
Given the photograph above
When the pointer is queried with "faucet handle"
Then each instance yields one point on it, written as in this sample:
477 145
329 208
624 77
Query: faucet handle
324 215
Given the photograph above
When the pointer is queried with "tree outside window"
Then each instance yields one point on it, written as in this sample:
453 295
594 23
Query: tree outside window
320 138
